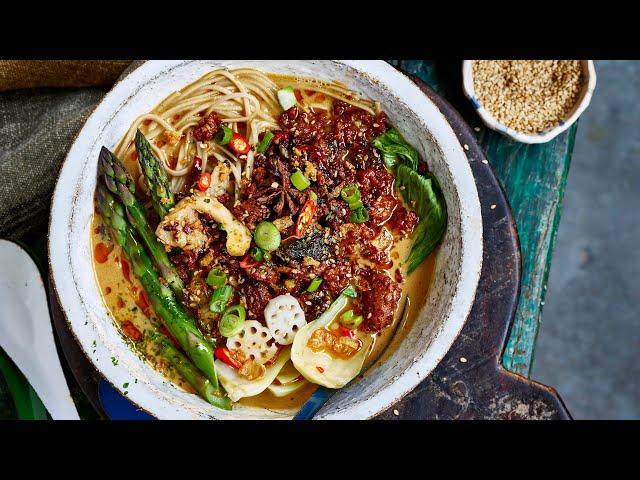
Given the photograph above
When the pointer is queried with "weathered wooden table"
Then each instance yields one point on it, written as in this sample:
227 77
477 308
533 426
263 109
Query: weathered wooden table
533 178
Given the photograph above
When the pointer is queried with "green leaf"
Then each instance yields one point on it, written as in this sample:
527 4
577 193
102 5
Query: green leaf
424 195
395 149
27 403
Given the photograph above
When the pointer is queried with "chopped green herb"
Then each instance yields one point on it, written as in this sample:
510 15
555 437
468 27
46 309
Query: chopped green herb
349 291
257 254
314 285
224 135
114 360
350 320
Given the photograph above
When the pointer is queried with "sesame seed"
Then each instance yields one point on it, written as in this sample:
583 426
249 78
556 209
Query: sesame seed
396 412
477 129
463 360
528 96
466 147
485 161
493 206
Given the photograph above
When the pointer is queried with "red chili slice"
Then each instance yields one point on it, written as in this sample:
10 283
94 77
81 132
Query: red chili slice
239 144
223 354
305 217
248 262
204 181
346 332
278 137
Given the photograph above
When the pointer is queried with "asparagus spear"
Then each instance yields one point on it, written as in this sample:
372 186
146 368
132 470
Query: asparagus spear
119 182
161 194
174 316
185 368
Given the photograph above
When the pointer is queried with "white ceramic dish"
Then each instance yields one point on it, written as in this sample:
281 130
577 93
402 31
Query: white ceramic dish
458 261
489 120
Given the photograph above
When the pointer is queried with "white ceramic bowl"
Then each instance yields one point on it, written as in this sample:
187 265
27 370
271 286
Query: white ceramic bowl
458 261
489 120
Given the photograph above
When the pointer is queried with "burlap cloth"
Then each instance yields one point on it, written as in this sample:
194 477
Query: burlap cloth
43 104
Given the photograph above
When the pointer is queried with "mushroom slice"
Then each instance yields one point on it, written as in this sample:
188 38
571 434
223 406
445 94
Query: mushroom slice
181 226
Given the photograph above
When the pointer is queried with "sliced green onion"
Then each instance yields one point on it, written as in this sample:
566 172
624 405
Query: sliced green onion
267 236
313 196
350 193
257 254
299 180
216 278
359 215
346 316
224 135
232 321
287 98
355 205
266 255
265 142
349 291
313 286
351 320
220 298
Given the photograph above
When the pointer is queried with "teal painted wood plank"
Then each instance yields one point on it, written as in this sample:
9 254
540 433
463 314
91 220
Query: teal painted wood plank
534 179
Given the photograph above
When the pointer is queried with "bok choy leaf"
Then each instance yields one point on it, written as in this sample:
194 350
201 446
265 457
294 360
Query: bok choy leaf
423 194
395 150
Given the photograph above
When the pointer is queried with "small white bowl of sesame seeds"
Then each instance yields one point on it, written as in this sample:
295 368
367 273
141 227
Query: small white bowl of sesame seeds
529 101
